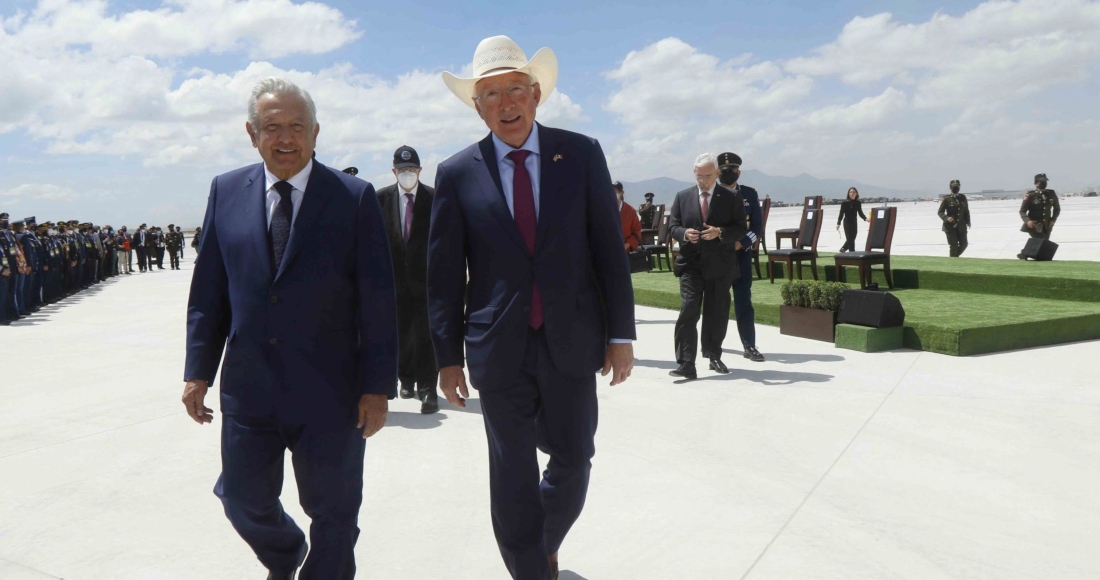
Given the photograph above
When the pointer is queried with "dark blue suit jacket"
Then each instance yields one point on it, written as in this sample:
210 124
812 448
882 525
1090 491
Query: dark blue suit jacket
305 341
751 200
579 263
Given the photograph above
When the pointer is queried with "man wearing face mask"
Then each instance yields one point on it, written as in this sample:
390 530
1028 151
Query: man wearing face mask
1039 211
139 246
729 165
8 272
407 209
955 214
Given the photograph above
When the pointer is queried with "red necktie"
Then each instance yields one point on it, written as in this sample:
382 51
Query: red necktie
705 206
523 211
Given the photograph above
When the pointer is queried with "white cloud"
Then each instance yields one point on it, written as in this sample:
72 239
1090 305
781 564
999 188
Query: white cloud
951 94
39 192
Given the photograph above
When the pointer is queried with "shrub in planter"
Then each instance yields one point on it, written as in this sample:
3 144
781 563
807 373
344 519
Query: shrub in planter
809 308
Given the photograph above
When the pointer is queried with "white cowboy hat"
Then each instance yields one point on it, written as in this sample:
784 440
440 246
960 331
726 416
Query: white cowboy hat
501 55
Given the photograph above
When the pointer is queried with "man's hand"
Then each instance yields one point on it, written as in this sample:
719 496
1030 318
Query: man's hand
626 246
373 410
711 233
46 268
452 381
737 246
193 394
691 235
950 220
620 358
1031 223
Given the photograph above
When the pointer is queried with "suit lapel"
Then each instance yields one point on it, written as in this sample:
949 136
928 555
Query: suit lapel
391 212
550 181
254 195
492 192
695 211
315 199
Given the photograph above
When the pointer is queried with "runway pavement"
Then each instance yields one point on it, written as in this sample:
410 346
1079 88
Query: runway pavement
818 464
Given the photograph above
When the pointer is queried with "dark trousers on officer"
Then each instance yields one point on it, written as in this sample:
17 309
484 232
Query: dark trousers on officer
956 238
5 297
851 229
20 294
160 258
711 298
416 361
328 467
547 410
141 258
33 297
174 256
742 300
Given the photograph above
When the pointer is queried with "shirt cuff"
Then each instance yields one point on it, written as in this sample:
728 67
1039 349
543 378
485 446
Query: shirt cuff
620 341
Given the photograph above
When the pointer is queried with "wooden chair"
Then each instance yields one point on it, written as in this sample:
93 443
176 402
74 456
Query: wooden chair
765 207
811 202
805 248
880 237
663 247
650 231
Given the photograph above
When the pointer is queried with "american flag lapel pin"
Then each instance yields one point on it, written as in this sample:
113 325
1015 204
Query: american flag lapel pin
557 158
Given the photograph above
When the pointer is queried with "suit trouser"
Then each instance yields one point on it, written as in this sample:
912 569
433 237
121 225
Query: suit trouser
851 230
129 260
742 300
30 283
328 467
416 360
711 298
546 410
956 239
20 291
123 262
141 258
160 258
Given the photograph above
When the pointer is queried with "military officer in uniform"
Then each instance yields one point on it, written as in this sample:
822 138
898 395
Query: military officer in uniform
729 171
7 272
955 214
407 210
1039 211
647 211
32 250
174 240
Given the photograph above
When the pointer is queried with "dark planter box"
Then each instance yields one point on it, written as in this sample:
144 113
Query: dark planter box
807 323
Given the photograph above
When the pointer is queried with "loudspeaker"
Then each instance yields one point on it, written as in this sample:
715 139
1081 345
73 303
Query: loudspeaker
867 308
1040 249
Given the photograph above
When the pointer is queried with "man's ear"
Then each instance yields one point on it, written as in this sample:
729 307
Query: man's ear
251 133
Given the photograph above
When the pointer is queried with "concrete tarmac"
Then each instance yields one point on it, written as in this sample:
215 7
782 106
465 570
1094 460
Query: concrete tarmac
819 463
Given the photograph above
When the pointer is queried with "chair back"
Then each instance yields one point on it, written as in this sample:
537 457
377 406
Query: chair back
812 202
658 217
881 231
765 209
663 233
810 229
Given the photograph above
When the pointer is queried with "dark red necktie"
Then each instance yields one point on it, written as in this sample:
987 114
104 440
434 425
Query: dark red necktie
523 211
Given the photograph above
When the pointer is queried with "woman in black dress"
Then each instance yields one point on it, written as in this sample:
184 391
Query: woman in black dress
849 208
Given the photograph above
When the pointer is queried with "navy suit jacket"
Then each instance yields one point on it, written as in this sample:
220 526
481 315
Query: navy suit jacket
579 263
716 259
305 340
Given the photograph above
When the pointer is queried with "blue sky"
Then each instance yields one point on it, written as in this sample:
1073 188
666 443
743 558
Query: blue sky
122 111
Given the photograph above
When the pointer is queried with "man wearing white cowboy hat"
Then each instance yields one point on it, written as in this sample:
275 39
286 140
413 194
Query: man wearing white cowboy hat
547 305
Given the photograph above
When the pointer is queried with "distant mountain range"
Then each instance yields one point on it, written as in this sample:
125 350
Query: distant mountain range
780 188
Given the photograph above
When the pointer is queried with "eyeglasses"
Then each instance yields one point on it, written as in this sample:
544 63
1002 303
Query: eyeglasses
492 98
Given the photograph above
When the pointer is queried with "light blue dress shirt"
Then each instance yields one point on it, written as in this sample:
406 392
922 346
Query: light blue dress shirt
507 167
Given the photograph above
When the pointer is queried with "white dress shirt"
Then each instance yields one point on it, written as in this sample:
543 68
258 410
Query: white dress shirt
507 167
298 182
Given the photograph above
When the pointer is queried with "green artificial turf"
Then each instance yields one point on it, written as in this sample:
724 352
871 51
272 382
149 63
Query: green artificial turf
866 339
956 323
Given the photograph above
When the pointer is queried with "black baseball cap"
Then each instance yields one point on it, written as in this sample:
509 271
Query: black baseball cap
405 156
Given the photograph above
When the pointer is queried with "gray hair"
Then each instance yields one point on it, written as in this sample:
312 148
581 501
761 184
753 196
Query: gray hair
706 159
277 87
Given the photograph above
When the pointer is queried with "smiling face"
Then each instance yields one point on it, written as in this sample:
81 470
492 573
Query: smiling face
285 135
507 105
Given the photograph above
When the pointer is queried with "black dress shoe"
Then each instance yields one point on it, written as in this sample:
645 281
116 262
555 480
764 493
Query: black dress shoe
686 371
429 405
718 366
752 354
406 392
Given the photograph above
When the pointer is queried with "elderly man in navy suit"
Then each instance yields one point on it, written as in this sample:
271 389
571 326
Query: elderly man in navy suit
528 212
296 283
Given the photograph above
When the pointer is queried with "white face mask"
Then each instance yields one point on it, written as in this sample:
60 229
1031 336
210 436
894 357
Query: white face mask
407 179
